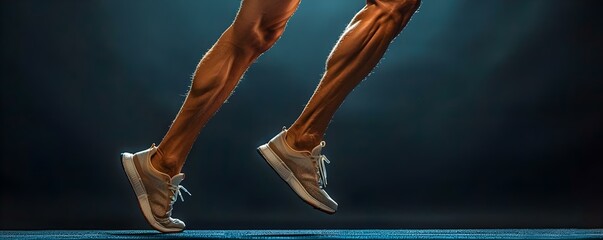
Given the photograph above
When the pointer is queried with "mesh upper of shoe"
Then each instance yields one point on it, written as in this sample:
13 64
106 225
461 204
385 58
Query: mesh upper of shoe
162 190
308 167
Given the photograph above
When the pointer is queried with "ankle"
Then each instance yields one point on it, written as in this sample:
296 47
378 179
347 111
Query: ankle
300 141
164 164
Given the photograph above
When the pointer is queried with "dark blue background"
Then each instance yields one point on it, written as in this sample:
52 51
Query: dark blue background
482 114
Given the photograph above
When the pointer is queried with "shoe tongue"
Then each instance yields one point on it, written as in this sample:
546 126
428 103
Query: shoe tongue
177 179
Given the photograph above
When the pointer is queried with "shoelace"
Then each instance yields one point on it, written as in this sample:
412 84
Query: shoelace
175 193
322 168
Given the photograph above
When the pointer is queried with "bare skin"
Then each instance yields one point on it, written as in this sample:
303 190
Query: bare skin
258 25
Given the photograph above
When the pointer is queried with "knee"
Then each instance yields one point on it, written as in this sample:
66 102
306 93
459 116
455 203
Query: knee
397 9
259 33
257 37
265 35
399 5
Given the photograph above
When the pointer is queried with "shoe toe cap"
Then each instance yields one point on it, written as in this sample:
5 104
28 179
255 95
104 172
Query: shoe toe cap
177 223
330 205
171 225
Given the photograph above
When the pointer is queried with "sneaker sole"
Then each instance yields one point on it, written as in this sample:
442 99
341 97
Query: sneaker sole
127 160
287 175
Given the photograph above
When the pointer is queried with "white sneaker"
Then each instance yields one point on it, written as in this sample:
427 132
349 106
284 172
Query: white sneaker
304 171
156 191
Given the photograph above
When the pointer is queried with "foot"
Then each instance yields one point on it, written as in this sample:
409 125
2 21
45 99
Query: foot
156 191
304 171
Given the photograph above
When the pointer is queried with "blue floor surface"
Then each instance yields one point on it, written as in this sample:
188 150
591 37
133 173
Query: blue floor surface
313 234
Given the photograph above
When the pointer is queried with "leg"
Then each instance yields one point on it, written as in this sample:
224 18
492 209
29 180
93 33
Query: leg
257 27
359 49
